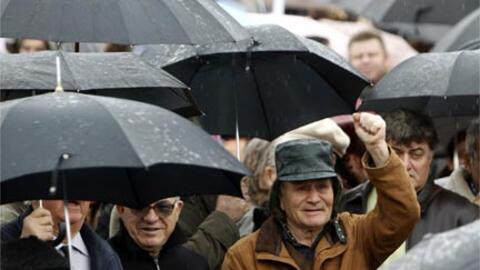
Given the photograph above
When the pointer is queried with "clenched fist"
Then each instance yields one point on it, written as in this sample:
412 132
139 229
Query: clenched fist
370 129
39 224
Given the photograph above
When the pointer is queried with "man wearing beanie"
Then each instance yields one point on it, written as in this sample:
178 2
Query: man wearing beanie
305 231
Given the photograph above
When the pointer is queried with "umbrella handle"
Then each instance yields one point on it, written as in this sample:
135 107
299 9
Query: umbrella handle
69 234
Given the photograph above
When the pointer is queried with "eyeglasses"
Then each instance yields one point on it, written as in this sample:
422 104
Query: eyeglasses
162 209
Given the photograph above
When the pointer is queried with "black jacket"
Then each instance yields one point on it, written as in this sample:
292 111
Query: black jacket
29 254
441 209
172 256
102 256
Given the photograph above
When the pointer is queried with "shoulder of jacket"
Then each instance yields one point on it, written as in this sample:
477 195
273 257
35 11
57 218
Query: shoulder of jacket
245 243
447 198
348 220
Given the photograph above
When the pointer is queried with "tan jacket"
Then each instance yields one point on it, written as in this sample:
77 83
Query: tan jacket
370 238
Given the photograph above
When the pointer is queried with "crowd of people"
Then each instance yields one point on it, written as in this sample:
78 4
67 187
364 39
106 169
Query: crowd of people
349 192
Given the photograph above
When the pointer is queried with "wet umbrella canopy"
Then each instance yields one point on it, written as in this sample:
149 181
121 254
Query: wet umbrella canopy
435 84
107 149
465 35
119 21
282 82
123 75
424 19
456 249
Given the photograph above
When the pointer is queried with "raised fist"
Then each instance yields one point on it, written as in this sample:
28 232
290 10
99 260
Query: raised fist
370 128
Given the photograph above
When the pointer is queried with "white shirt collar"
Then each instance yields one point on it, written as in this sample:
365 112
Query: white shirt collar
77 244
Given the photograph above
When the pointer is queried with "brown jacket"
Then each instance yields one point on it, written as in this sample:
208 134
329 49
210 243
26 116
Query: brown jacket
369 238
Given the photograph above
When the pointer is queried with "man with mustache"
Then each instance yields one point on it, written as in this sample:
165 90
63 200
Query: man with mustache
305 231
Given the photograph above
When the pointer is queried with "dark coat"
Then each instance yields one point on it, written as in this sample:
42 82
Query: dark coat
172 256
441 209
102 256
210 232
29 254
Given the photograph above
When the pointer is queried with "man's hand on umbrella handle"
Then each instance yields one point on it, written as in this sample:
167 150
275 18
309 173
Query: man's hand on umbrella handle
371 129
234 207
39 224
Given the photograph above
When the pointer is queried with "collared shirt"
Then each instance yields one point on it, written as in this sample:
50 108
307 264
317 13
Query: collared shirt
80 256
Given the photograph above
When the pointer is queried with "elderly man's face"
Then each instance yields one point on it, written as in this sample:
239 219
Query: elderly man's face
307 204
417 158
151 227
369 58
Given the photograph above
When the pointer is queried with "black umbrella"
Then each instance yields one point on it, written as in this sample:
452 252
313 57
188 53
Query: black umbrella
465 35
119 21
107 149
444 86
422 19
123 75
282 82
435 84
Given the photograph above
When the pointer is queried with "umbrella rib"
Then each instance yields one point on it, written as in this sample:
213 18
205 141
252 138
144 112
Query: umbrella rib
451 69
197 58
178 22
121 128
124 25
67 68
269 129
163 72
220 24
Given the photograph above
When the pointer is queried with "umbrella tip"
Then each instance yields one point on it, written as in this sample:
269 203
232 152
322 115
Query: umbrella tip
59 88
